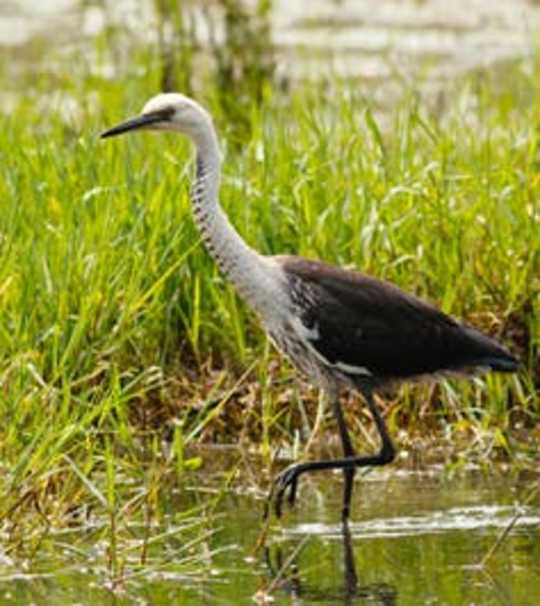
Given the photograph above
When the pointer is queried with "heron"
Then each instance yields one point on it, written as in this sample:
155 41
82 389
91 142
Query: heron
343 329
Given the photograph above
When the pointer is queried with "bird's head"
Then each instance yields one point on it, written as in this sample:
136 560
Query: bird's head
167 111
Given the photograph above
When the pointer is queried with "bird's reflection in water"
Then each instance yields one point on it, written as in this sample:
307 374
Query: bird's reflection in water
349 591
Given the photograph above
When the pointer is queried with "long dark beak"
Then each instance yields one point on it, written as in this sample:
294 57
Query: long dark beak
135 123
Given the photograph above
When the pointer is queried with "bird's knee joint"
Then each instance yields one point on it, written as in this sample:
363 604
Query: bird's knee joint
388 453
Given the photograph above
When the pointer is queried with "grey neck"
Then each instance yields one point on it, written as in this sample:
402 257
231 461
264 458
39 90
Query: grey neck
252 274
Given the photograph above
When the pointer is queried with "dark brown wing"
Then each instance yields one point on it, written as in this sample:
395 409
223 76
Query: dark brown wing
362 322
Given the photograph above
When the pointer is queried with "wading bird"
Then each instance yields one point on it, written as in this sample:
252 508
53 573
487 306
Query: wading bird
343 329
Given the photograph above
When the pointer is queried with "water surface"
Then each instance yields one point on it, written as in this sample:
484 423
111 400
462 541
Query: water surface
371 39
414 539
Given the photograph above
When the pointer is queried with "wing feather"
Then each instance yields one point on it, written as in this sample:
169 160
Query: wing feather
365 323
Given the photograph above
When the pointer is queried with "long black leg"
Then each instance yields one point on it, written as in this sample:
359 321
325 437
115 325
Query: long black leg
351 579
288 479
348 452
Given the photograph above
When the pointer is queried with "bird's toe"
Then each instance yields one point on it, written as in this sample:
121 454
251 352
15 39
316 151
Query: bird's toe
286 480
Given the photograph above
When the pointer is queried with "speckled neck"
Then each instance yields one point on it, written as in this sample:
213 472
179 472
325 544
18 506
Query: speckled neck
253 275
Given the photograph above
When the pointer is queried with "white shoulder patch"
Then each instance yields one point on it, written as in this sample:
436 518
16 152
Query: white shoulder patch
312 334
352 370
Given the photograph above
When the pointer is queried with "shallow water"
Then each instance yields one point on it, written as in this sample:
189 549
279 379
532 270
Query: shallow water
414 539
371 39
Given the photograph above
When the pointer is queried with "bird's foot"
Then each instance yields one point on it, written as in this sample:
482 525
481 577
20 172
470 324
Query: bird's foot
286 480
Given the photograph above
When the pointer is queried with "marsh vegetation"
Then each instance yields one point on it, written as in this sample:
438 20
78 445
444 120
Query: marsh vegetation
128 365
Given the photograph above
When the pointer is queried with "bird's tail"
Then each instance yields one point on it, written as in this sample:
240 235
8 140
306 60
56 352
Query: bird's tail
502 364
490 353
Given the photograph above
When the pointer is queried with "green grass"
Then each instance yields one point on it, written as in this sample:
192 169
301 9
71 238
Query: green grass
117 331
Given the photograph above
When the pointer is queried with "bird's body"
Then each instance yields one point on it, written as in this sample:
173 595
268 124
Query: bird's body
357 327
341 328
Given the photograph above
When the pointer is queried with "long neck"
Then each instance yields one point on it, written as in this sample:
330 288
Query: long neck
248 271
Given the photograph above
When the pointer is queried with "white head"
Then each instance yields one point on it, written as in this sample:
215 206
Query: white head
169 111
